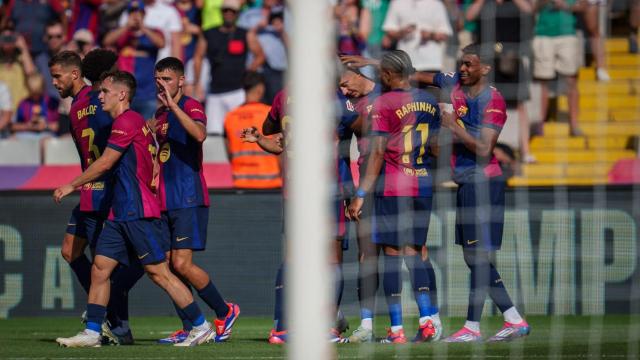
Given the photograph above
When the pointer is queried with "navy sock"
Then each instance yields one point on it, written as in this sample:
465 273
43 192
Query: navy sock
186 322
339 284
95 316
393 287
212 297
194 314
81 266
367 286
498 292
122 280
420 283
433 288
478 263
278 311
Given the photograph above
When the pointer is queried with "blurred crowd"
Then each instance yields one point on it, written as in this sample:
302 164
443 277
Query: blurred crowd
220 41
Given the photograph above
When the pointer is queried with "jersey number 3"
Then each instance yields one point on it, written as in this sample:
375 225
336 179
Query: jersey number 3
94 152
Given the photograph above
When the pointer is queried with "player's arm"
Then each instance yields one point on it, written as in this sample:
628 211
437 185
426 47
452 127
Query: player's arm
482 146
359 61
356 126
374 165
271 145
98 168
195 129
424 77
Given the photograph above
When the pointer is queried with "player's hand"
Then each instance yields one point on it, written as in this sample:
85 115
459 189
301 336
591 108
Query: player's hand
355 208
250 135
61 192
356 60
163 94
448 120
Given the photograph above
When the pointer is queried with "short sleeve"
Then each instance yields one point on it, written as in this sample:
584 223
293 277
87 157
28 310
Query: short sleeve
195 110
123 132
446 80
276 110
495 113
379 122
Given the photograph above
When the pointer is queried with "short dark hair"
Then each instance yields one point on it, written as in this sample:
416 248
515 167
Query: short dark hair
66 58
485 52
121 77
397 61
96 62
170 63
53 22
252 79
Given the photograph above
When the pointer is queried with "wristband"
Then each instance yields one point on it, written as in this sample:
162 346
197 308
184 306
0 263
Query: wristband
361 193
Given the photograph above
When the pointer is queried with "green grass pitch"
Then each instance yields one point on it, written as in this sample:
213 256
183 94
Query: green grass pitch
571 337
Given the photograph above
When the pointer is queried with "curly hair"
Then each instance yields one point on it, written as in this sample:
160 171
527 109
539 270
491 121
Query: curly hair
97 62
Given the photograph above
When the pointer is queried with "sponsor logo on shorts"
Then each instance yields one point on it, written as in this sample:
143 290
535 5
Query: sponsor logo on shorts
470 242
140 257
178 239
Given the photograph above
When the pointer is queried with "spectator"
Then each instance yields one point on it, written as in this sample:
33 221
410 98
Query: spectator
85 15
138 46
556 52
109 14
29 19
37 115
377 10
227 48
82 42
508 24
353 27
15 64
211 14
251 167
166 19
591 16
272 36
191 30
6 110
421 28
54 37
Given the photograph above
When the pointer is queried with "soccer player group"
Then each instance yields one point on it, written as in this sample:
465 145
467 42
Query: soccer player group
397 128
144 202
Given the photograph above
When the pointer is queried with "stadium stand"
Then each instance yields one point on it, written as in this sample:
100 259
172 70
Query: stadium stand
609 118
60 151
19 152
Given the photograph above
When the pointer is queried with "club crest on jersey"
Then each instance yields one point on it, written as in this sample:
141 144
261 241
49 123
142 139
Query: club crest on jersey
462 111
369 107
164 129
350 106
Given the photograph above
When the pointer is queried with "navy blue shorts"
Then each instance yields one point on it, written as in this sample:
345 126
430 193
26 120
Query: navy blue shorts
143 236
186 228
400 221
86 225
480 214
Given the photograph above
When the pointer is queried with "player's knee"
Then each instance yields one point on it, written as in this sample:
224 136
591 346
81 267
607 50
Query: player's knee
99 272
180 265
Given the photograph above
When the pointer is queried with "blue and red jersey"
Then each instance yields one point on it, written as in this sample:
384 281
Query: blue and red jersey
44 106
85 15
364 105
410 119
90 130
182 184
138 55
133 197
346 115
487 109
187 40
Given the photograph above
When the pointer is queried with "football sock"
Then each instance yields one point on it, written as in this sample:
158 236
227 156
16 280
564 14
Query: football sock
186 323
367 323
367 286
194 314
278 311
396 328
122 280
81 266
498 292
338 283
478 263
95 316
420 282
392 288
472 325
212 297
433 288
512 316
